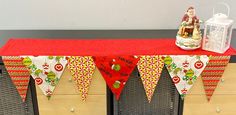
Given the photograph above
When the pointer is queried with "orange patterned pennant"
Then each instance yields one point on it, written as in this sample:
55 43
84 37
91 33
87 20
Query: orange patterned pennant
82 69
150 68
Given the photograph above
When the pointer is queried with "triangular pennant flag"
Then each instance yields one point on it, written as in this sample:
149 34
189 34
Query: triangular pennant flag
19 74
150 68
82 69
213 72
116 70
46 71
184 70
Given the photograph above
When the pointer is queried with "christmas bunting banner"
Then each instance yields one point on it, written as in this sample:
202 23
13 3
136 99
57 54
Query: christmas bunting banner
213 72
19 74
116 70
82 69
150 68
46 71
184 70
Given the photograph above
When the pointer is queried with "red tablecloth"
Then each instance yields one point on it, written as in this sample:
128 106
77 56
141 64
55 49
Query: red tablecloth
98 47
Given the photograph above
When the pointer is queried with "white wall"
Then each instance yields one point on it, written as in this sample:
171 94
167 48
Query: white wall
101 14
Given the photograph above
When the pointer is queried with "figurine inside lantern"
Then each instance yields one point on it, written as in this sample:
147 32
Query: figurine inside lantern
218 31
189 34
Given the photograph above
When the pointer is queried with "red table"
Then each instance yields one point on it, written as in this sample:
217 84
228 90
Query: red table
98 47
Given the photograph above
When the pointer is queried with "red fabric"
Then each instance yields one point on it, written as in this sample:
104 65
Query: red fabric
18 73
0 51
212 73
116 70
98 47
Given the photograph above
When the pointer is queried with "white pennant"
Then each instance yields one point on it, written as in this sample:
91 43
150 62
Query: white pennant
46 71
184 70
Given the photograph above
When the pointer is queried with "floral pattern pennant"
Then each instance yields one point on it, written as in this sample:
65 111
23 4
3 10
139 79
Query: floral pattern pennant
82 69
150 68
185 69
46 71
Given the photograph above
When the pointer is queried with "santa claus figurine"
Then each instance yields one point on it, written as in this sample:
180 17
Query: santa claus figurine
188 22
189 34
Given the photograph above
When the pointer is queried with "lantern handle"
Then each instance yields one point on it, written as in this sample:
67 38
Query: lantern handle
226 5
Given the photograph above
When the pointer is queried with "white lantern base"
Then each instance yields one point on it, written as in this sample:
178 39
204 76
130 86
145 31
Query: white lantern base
216 50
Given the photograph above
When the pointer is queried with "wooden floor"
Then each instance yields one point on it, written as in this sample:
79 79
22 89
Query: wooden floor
66 97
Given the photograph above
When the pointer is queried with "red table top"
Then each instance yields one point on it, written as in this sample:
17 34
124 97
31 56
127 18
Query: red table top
98 47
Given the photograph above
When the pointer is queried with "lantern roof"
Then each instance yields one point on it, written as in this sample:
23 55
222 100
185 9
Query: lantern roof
220 19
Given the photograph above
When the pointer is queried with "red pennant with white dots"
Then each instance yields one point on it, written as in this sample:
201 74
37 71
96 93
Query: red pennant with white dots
116 70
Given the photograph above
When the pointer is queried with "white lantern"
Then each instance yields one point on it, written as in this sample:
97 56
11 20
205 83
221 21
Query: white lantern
217 33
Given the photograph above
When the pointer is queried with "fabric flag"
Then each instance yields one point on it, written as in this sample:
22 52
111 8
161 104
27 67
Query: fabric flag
116 70
82 69
18 73
213 72
150 68
184 70
46 71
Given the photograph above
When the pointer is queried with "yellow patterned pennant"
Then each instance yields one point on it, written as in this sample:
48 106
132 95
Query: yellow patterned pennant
82 69
150 68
